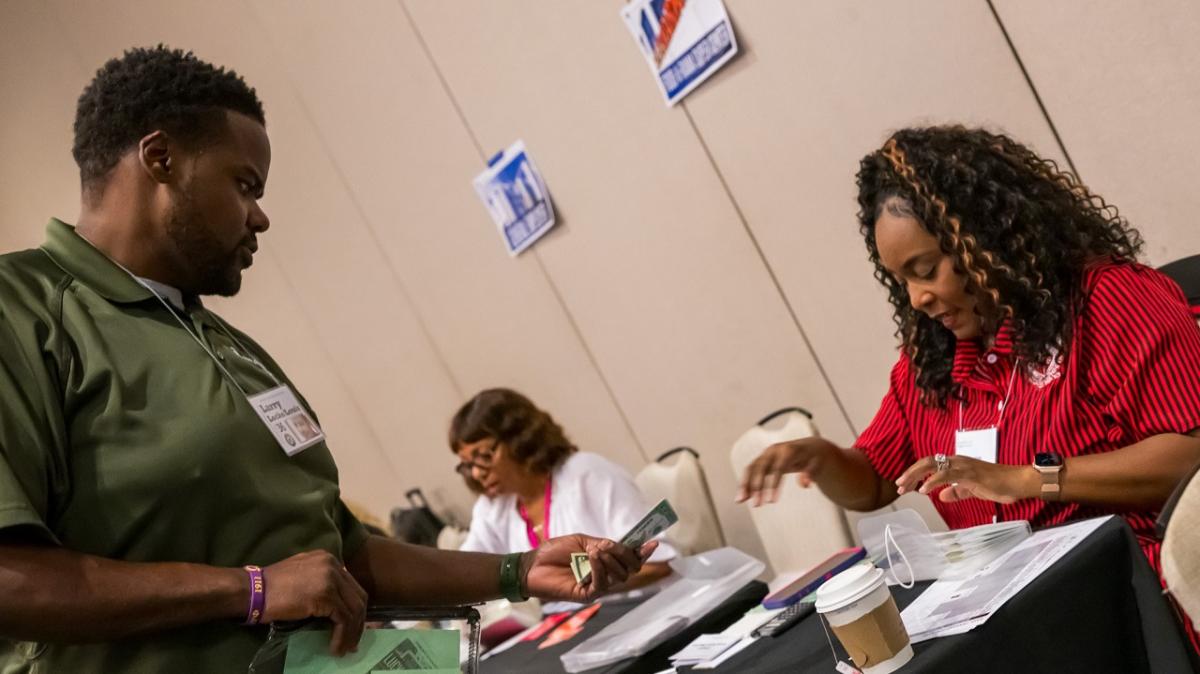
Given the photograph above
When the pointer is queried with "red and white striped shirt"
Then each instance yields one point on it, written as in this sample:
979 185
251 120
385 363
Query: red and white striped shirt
1132 371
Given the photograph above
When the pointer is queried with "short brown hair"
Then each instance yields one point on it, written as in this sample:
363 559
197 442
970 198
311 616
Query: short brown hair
531 436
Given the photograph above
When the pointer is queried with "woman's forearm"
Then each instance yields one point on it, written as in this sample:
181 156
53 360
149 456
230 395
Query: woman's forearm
1137 477
850 481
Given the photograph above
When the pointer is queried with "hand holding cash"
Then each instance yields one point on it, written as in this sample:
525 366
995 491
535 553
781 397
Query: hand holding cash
660 518
549 573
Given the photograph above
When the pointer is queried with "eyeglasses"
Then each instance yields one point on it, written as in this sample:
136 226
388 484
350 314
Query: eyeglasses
482 459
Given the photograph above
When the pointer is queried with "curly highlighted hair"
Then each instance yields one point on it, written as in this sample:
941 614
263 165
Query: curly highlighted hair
1016 226
531 436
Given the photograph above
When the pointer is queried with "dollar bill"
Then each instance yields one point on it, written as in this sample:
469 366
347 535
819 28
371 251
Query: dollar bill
660 518
580 566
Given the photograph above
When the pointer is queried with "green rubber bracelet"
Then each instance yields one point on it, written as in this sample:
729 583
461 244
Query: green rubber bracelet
510 578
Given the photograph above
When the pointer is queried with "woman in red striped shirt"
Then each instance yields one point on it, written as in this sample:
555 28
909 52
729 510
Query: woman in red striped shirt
1043 374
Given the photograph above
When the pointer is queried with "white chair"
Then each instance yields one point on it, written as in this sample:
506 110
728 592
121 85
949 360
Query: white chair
678 477
803 527
451 537
1181 545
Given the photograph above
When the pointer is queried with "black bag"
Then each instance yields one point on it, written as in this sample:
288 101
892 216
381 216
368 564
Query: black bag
418 524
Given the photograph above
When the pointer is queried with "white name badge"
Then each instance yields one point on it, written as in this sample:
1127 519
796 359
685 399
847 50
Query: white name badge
980 444
287 419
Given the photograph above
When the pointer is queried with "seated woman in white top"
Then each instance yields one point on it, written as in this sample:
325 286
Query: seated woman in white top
534 484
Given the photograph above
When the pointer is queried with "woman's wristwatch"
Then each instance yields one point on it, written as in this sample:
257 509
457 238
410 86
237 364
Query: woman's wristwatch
1050 466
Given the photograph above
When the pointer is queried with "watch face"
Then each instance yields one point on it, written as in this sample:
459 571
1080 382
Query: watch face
1047 460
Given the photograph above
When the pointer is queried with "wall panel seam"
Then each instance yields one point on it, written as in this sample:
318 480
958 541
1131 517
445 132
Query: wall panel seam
422 325
762 257
562 303
1032 88
380 448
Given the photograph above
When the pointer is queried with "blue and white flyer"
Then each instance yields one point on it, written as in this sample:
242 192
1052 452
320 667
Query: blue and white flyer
516 197
683 41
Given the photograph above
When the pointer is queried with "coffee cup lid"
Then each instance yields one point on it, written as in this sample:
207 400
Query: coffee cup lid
848 587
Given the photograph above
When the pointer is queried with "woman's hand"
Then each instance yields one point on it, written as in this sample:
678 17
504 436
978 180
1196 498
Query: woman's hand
971 478
806 456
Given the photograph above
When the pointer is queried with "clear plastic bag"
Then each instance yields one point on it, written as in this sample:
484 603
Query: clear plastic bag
900 543
704 581
272 656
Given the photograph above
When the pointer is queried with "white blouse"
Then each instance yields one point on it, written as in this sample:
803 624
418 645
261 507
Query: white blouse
589 495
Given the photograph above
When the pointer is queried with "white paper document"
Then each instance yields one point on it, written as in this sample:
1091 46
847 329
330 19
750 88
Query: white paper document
704 647
729 653
969 550
717 648
956 606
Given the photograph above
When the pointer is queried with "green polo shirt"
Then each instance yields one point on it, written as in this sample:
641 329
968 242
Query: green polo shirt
120 437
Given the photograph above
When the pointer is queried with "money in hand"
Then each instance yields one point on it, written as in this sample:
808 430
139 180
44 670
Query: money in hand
580 566
660 518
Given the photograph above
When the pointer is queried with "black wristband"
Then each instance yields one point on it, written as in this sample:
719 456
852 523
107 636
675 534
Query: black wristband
510 578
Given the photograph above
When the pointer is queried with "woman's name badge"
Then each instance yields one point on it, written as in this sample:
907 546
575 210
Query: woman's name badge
980 444
287 419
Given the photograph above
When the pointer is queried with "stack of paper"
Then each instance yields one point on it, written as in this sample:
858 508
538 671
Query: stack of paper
969 550
713 649
954 606
704 648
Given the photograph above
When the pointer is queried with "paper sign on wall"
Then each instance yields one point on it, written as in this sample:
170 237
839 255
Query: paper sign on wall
684 41
516 197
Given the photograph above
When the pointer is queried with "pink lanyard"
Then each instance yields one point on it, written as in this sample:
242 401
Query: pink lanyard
533 537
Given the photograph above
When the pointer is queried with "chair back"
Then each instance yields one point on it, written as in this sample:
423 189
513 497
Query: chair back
1186 272
678 477
803 527
1181 549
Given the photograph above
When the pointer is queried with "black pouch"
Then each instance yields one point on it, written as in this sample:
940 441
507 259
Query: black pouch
418 524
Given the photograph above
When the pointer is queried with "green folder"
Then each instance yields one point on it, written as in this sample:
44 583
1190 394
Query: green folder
381 650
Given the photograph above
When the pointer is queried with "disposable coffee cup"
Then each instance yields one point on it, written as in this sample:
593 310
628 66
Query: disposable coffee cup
859 608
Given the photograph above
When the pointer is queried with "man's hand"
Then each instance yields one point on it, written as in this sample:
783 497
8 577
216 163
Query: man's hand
806 456
968 477
547 570
316 585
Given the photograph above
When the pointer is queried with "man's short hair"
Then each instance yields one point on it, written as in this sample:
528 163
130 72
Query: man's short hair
147 89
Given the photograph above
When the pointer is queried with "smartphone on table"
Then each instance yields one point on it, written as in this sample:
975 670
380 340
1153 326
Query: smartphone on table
812 579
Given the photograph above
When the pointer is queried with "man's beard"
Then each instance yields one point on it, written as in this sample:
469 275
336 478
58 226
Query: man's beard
211 269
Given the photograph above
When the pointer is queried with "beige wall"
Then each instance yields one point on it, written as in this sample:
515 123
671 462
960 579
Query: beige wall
1129 118
706 268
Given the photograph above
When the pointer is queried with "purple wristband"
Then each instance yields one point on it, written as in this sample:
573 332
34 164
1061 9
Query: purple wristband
258 595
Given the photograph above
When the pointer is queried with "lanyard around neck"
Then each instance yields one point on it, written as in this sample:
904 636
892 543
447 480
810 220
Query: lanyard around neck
534 540
1012 378
195 337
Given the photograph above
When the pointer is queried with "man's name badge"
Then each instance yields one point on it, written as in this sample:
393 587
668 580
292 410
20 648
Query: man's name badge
286 418
980 444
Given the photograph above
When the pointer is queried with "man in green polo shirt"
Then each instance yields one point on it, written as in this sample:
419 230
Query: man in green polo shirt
161 482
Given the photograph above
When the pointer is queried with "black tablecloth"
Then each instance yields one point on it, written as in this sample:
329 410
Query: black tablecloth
1099 609
526 658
